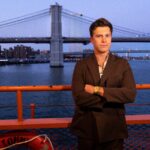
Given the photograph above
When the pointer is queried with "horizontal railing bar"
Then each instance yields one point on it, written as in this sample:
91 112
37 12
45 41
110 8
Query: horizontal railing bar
13 124
36 88
142 86
65 105
138 119
52 88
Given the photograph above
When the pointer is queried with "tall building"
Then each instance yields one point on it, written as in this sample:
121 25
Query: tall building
23 52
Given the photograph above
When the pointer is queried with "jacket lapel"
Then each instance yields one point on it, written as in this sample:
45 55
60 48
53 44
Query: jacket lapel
93 68
108 70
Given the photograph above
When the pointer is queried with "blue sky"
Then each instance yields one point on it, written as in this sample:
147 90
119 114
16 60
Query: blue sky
132 14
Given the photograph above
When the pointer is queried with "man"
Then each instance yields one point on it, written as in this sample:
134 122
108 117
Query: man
102 83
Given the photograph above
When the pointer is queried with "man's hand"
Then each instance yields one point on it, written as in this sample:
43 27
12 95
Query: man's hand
89 88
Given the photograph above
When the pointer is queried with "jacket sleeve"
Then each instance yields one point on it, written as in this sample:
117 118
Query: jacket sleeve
82 98
126 92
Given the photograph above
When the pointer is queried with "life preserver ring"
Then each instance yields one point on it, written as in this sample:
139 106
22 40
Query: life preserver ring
26 138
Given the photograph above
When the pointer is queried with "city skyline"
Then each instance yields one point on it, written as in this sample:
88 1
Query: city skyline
21 54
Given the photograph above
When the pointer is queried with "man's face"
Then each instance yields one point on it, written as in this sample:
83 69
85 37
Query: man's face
101 39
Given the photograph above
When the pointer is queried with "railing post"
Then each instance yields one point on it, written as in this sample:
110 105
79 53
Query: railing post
32 108
19 105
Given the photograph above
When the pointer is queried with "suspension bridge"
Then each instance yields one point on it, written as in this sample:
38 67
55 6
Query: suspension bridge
62 26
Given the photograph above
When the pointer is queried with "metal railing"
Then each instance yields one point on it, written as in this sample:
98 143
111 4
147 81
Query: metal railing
21 123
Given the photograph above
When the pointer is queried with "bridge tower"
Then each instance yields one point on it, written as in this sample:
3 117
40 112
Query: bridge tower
56 45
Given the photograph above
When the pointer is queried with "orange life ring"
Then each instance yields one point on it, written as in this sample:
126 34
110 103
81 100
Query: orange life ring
28 138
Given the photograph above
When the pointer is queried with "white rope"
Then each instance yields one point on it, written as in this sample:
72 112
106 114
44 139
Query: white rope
27 141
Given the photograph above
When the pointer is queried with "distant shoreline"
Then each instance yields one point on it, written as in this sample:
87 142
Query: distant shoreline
18 62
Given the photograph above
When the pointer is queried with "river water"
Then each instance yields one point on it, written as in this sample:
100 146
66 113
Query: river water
58 104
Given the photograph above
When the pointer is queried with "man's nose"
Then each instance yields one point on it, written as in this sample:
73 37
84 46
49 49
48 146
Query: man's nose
103 39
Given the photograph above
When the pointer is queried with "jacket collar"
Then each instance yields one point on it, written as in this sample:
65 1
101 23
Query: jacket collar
93 67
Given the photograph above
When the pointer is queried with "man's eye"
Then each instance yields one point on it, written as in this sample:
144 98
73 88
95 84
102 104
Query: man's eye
98 36
107 35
